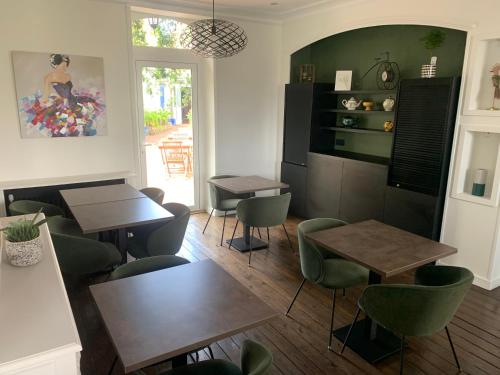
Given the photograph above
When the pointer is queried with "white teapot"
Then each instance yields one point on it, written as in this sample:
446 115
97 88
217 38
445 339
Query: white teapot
351 104
388 104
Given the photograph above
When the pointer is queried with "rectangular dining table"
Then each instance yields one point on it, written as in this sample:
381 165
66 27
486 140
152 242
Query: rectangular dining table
166 314
242 185
386 251
113 207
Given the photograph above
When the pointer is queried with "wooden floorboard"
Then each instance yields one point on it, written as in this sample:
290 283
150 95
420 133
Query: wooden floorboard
299 342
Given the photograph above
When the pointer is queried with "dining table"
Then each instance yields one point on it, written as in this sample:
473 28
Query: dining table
166 314
113 208
386 251
243 185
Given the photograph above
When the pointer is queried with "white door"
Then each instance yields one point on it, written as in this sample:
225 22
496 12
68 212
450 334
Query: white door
168 129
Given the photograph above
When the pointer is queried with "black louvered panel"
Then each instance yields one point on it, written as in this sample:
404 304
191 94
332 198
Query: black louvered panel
425 108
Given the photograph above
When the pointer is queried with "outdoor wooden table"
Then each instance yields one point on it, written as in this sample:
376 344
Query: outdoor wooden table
165 314
242 185
113 207
386 251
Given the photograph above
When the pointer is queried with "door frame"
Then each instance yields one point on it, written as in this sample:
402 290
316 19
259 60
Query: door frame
138 66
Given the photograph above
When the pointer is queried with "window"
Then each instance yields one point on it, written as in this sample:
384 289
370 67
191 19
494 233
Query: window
157 32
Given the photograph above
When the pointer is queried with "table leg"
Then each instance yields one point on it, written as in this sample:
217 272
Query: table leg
370 341
122 243
243 243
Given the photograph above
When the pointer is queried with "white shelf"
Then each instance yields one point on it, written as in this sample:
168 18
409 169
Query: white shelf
478 147
479 93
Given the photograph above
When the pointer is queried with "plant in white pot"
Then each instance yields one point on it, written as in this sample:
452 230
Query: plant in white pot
22 241
432 40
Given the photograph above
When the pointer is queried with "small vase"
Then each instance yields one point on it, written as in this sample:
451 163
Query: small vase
428 71
25 253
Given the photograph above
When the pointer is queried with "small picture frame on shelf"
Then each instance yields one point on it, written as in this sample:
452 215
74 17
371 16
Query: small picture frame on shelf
343 80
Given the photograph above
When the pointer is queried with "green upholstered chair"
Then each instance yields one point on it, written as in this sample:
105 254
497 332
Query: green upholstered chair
63 225
255 360
320 267
160 238
24 207
421 309
79 255
262 212
150 264
155 194
223 200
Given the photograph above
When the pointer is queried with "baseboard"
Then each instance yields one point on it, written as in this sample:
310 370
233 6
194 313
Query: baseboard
478 280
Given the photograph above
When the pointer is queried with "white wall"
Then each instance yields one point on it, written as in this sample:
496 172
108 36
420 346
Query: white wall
75 28
247 88
471 227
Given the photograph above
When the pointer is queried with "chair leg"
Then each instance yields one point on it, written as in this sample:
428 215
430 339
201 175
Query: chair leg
113 365
296 295
350 330
267 234
234 231
209 217
210 352
288 237
331 322
452 348
343 292
223 226
250 255
258 231
402 355
192 358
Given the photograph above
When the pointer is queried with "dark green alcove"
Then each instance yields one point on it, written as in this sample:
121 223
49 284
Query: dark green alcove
356 50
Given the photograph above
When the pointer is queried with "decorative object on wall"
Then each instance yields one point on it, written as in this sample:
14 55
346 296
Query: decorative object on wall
351 104
479 182
214 37
22 241
432 40
59 95
368 104
349 121
495 79
307 73
343 80
388 126
388 104
387 73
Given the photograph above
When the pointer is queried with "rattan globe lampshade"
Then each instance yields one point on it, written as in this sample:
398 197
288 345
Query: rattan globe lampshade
214 37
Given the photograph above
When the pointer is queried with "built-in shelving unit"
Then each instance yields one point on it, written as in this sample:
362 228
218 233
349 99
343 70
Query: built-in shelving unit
355 111
478 147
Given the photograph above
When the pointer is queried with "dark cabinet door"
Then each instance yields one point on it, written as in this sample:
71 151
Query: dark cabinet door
298 112
324 176
411 211
295 176
363 191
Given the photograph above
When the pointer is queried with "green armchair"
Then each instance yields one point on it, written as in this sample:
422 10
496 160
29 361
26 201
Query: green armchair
262 212
223 200
319 266
24 207
155 194
150 264
80 255
255 360
160 238
421 309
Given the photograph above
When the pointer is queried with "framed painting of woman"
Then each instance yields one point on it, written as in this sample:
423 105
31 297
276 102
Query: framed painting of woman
59 95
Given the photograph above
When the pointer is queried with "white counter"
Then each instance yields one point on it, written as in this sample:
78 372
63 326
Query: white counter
38 335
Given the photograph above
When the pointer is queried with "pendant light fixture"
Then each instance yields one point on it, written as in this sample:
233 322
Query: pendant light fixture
213 37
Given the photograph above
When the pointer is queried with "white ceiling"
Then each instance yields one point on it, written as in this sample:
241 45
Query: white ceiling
245 8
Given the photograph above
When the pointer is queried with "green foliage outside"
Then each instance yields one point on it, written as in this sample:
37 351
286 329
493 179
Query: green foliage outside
138 33
156 119
23 230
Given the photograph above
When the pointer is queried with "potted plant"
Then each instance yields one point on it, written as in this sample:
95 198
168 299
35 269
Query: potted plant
432 40
22 241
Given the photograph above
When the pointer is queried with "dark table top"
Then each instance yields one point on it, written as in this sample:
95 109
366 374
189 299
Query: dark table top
100 194
247 184
160 315
382 248
104 216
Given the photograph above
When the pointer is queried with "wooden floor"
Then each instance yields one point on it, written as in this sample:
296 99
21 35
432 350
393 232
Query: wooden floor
299 342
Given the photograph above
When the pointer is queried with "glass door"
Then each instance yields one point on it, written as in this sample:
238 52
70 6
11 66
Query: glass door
168 129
